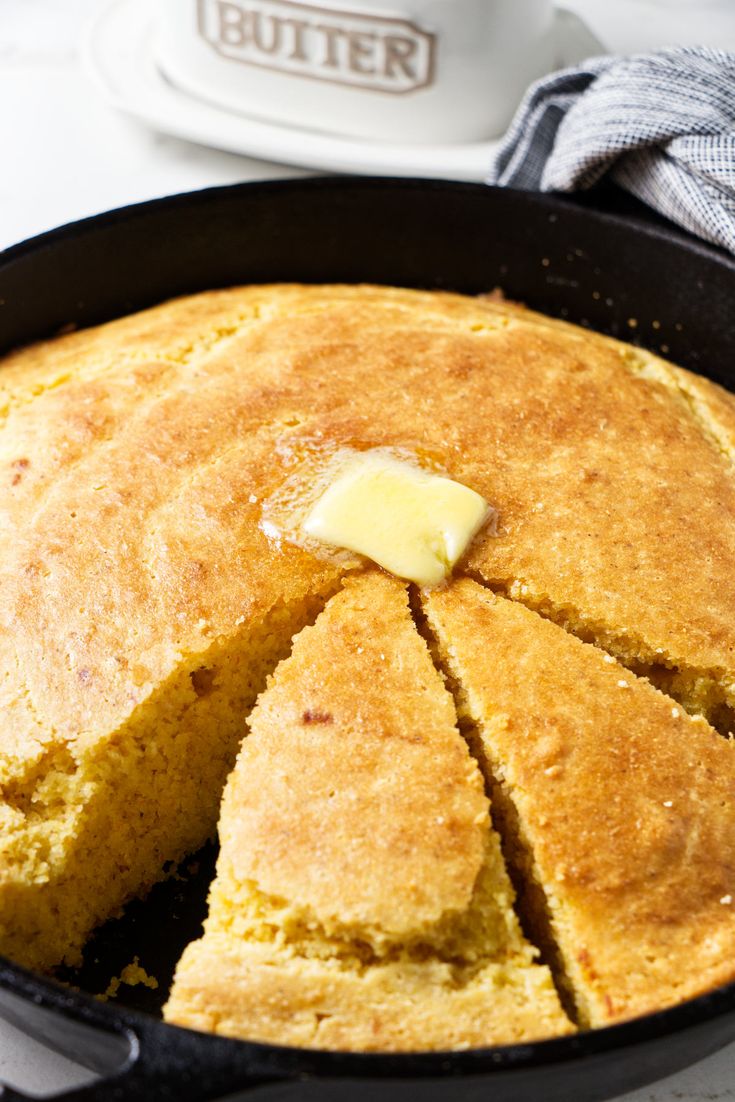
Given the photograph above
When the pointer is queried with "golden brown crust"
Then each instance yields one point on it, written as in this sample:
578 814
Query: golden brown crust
624 801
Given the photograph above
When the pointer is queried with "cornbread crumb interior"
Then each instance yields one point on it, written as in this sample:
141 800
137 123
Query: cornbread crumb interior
58 879
588 642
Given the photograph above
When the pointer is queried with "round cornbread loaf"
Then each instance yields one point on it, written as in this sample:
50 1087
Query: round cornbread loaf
144 608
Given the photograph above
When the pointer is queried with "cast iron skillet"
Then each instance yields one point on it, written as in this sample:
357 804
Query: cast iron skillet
622 275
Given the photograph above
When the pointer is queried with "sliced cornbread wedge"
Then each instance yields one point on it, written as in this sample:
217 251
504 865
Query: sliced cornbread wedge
361 900
616 804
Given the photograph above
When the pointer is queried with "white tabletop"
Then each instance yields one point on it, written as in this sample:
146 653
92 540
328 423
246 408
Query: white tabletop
66 154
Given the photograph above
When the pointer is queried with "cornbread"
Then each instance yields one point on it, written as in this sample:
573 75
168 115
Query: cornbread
145 603
361 900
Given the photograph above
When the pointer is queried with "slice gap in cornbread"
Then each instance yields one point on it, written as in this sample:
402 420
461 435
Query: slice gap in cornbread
614 803
89 825
530 900
361 900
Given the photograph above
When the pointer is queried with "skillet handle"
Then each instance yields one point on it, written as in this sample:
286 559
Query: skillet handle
175 1065
136 1057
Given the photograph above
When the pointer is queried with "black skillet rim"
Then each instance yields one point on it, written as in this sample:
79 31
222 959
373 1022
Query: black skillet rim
280 1061
647 221
267 1061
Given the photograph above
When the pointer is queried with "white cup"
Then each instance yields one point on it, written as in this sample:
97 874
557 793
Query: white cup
432 71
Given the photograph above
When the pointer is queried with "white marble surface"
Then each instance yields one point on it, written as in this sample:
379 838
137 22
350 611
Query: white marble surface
66 155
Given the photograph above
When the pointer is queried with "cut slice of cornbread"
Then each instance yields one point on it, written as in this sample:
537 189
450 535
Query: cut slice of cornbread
361 900
617 805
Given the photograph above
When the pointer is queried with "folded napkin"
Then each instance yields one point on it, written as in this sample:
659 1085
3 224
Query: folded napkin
661 125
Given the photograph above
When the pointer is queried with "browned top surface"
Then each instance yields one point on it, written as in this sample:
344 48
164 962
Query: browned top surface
355 797
625 800
130 456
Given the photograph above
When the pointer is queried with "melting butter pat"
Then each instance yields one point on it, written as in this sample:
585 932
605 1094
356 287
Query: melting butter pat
412 522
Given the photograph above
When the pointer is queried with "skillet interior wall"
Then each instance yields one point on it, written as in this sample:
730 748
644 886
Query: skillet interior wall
628 274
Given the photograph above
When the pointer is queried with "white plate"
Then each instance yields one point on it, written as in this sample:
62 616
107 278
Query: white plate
119 54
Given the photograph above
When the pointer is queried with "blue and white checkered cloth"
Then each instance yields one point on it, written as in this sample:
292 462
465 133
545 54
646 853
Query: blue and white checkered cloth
661 125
